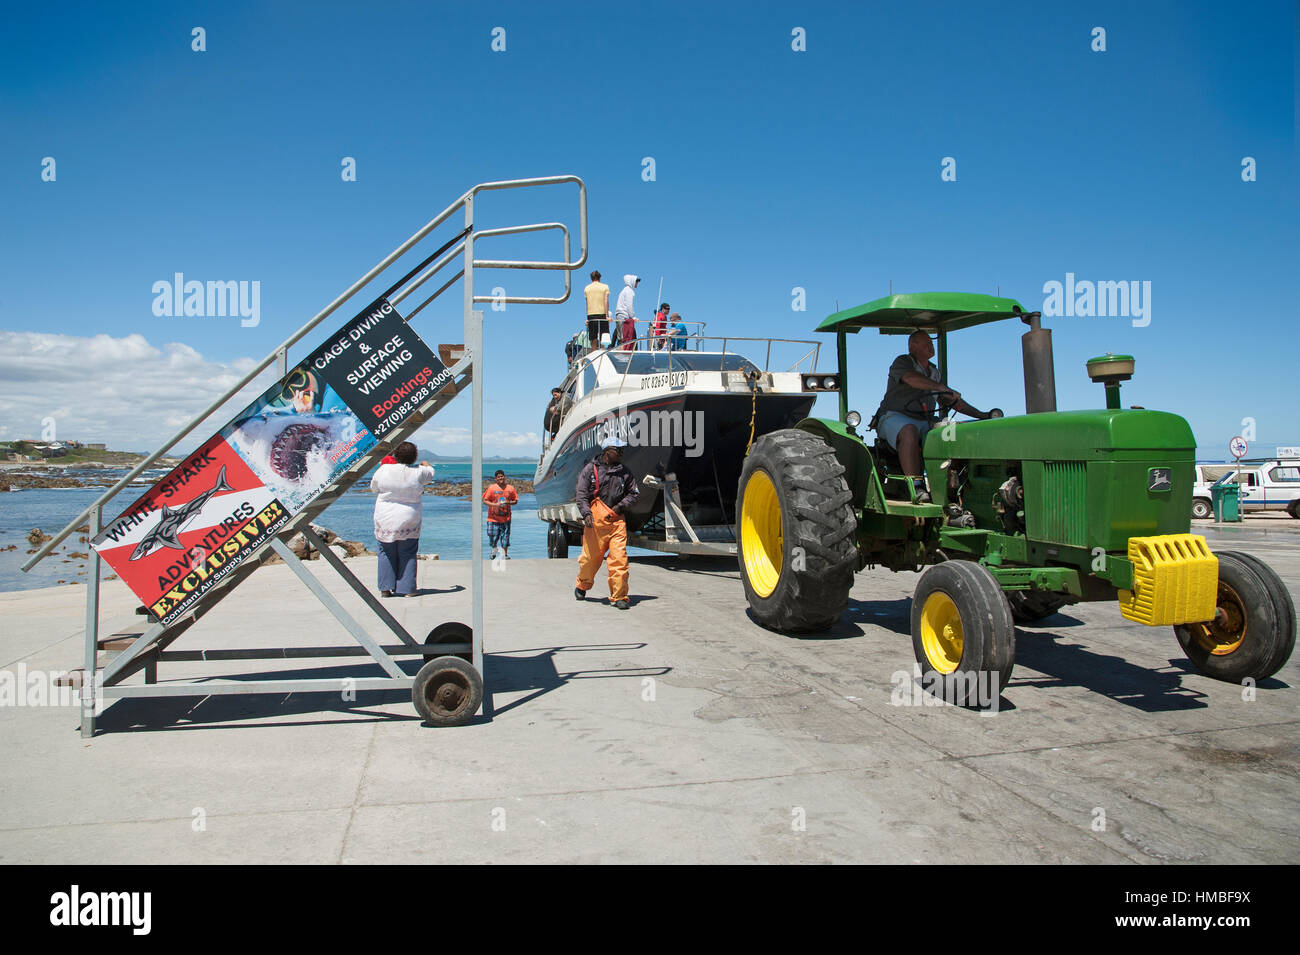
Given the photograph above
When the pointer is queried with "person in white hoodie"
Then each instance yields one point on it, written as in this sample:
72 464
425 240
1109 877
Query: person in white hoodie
400 486
625 311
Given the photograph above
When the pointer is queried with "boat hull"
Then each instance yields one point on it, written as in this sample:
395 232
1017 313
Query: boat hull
700 438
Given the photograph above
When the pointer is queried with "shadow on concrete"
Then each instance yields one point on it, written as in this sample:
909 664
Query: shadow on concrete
532 672
687 564
434 591
1068 664
842 629
895 615
1057 619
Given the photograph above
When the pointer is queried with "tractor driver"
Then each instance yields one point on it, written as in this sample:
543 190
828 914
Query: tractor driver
912 394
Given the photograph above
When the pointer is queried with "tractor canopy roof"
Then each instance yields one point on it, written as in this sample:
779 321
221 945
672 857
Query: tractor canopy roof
931 311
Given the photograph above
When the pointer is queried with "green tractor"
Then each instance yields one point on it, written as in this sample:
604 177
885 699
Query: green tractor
1023 516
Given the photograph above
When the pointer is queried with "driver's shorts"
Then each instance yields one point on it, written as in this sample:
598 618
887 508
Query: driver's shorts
892 422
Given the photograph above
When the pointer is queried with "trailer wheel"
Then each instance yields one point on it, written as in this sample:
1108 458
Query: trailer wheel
1253 631
1030 606
452 632
447 691
962 633
796 530
1201 508
557 541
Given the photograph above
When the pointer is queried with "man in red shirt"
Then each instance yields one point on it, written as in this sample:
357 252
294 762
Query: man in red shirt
660 327
499 498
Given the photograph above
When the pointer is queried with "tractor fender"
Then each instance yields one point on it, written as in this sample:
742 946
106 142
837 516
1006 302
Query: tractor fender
853 454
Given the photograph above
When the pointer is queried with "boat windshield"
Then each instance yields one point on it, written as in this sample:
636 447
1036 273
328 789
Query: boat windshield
649 363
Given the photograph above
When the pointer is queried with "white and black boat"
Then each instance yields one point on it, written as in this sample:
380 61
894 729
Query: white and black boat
689 417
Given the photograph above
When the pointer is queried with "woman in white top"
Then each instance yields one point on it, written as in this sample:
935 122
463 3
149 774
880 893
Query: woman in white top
400 486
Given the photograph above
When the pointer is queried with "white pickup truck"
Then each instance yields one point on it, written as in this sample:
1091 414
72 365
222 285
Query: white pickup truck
1270 486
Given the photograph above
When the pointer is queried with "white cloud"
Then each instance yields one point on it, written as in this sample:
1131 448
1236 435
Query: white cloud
122 391
132 395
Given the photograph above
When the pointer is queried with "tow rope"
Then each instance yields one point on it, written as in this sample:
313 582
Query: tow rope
753 410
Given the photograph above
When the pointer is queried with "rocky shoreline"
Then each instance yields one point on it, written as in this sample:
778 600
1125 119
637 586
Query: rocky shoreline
16 480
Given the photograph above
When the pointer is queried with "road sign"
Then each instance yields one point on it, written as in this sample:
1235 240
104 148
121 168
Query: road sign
1238 447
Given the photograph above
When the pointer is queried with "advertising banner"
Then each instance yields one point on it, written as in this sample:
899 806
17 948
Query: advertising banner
380 368
191 529
241 486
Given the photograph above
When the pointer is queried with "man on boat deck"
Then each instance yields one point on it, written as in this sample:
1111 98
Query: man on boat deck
660 328
907 411
606 489
597 295
625 310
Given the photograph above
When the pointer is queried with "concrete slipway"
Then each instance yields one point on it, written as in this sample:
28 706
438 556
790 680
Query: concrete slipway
676 732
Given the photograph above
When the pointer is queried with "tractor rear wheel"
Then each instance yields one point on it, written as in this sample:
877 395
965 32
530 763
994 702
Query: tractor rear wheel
962 633
1253 630
1030 606
796 531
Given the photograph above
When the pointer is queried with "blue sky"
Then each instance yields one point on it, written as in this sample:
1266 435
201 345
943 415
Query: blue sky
774 169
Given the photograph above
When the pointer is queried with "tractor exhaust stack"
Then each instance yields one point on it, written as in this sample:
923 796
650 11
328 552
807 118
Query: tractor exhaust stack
1040 372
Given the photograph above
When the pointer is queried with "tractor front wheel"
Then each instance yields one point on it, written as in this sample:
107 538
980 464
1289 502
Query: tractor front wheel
796 531
963 634
1254 626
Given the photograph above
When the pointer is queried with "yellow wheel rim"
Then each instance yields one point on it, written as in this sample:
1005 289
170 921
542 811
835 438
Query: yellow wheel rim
941 634
761 540
1227 631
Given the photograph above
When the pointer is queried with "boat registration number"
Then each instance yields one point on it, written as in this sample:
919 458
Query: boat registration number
670 379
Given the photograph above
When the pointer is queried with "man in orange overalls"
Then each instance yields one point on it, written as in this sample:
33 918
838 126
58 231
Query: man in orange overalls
606 489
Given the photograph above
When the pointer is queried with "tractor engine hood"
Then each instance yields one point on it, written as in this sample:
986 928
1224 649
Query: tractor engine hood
1066 436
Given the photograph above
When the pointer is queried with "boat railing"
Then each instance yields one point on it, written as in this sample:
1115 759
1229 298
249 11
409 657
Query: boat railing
657 344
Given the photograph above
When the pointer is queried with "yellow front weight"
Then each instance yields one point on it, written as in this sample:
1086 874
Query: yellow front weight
1175 580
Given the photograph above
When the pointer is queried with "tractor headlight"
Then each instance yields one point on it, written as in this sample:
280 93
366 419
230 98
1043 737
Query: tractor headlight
853 419
828 382
810 384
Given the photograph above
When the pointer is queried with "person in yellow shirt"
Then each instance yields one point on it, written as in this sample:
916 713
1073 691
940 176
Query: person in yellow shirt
597 294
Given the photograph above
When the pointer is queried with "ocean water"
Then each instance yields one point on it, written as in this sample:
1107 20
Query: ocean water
446 529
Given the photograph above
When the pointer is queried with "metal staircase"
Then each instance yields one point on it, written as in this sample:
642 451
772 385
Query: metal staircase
142 647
